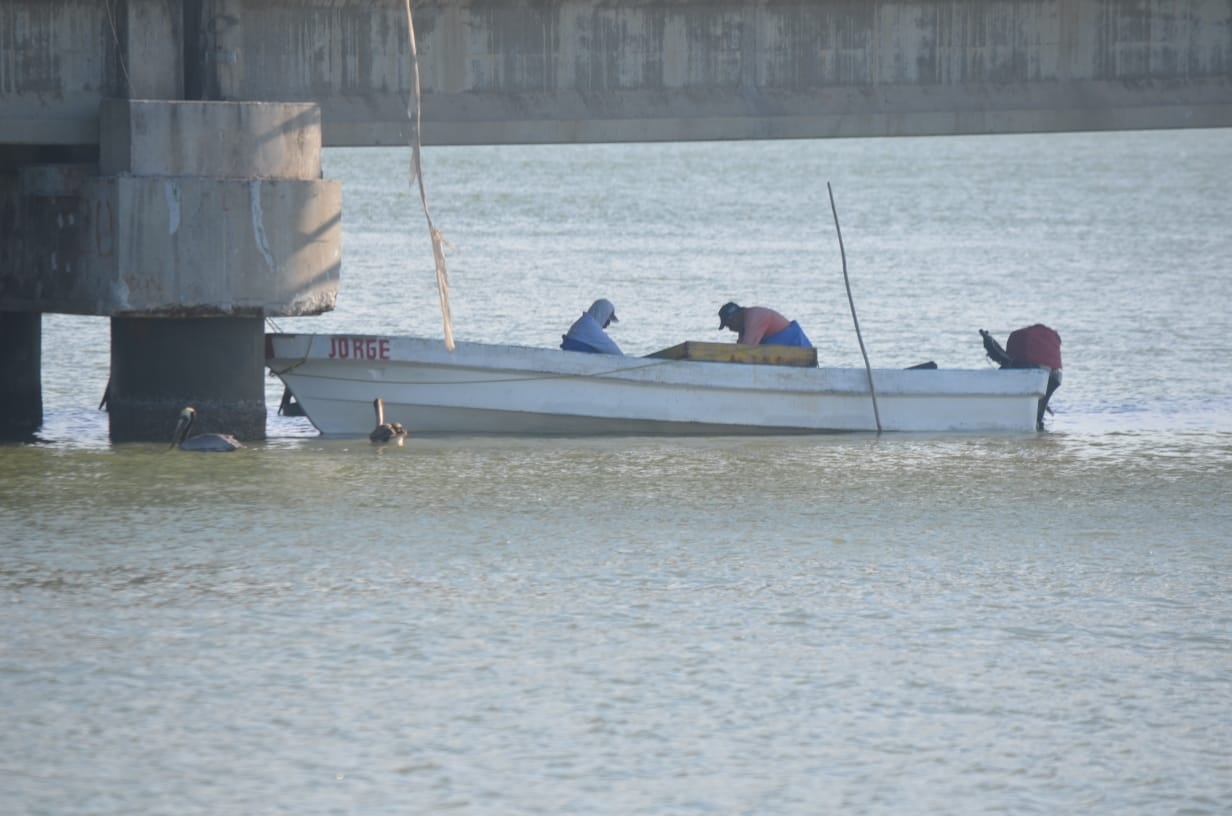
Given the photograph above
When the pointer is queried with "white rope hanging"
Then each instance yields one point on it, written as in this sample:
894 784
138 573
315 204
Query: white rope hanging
438 241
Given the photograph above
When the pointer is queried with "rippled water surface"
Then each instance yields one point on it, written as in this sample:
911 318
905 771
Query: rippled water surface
900 624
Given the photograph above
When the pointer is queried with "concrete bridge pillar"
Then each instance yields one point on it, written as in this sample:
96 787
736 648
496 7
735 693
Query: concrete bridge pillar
227 214
214 364
21 399
198 221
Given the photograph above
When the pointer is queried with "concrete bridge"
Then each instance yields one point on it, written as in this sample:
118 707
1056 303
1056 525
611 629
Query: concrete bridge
160 159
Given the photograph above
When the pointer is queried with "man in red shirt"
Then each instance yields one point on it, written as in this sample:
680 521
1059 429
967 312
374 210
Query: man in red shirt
1035 346
757 325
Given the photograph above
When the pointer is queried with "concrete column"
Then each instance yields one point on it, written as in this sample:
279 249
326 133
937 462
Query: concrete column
210 216
21 397
161 365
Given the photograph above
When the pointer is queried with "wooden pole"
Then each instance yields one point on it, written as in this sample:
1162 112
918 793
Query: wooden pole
850 300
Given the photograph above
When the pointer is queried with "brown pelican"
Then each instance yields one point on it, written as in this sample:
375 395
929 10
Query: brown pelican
206 442
385 431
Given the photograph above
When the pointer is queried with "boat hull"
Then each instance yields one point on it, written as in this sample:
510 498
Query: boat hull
489 389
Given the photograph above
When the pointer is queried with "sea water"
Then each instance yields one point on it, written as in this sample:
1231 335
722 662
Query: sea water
1021 623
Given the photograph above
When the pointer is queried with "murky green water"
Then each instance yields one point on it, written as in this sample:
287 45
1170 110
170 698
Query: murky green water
904 624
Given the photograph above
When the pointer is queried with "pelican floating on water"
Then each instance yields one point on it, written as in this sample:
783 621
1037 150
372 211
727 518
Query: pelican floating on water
205 442
385 431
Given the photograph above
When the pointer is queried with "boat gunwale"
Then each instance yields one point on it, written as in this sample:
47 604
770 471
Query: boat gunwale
564 365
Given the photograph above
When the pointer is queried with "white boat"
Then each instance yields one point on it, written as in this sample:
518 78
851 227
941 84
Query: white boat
492 389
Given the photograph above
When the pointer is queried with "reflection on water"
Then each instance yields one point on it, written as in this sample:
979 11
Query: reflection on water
911 623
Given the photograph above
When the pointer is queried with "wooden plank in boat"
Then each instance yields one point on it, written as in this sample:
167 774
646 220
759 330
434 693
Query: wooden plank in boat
733 353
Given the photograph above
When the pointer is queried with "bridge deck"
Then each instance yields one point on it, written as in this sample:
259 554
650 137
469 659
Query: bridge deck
596 70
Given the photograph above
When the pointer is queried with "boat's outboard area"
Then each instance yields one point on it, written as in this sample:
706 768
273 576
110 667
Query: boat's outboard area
1034 346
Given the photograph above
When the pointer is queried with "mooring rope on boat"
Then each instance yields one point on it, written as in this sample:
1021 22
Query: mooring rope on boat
438 241
867 366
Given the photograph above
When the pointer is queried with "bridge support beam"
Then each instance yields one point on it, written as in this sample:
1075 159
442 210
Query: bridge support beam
21 400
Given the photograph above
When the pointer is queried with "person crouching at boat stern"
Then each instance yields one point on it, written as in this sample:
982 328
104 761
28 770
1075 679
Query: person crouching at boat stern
587 332
1035 346
757 325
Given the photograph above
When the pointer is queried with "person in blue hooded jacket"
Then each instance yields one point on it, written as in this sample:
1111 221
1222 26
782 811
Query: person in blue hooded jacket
587 332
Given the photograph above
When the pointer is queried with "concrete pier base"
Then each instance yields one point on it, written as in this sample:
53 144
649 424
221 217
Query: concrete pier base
21 398
161 365
198 220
